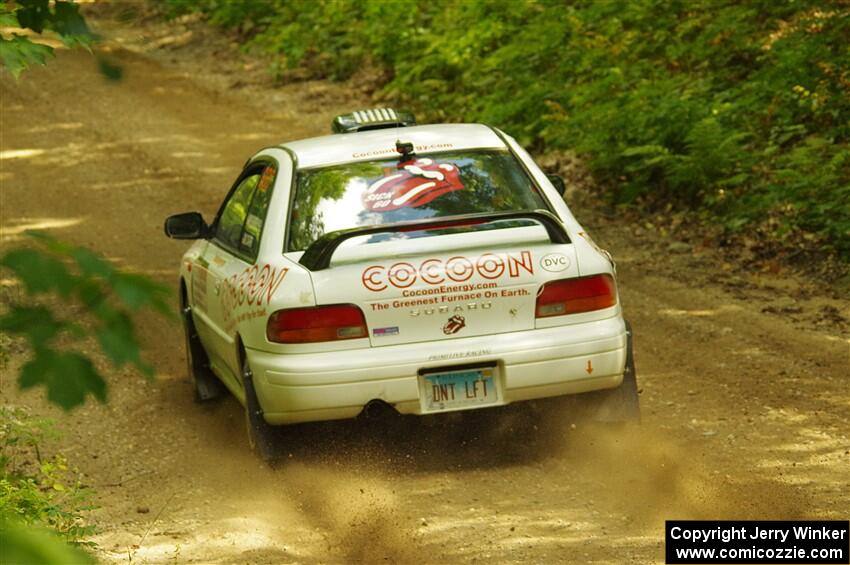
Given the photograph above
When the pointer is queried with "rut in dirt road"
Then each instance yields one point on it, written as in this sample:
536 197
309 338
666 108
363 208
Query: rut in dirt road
745 412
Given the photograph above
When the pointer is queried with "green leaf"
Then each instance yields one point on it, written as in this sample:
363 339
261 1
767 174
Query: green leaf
90 294
9 20
35 322
117 341
18 53
735 180
51 243
34 14
69 377
138 290
39 272
91 264
70 25
642 150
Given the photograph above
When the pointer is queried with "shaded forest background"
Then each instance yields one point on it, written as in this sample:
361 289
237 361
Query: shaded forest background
739 112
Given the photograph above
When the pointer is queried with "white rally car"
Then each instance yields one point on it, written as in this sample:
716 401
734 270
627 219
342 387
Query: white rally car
430 268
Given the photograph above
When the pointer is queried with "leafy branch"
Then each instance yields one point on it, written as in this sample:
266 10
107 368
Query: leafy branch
98 302
18 51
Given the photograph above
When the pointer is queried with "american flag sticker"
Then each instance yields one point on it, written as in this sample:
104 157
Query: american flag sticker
383 332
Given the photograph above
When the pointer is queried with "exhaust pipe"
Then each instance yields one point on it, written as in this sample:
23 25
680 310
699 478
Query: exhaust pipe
375 409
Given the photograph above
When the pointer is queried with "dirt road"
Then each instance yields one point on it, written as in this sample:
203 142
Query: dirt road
745 377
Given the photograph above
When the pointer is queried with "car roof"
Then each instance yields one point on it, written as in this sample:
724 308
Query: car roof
380 143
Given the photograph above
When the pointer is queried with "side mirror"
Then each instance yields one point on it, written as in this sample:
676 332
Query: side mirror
190 225
558 183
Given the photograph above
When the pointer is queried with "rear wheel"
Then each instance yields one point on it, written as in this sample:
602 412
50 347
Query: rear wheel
262 436
619 404
205 384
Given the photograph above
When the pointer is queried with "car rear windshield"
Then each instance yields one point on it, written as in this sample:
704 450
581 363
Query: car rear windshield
387 191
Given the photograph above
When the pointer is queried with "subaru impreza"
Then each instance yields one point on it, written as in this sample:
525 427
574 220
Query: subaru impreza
428 268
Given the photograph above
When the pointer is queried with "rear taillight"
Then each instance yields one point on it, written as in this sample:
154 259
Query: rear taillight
571 296
320 323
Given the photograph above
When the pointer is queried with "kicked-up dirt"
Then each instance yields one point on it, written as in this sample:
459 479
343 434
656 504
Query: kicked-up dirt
744 377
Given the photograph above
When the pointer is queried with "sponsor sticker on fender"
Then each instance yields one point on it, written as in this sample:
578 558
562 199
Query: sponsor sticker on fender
254 286
199 287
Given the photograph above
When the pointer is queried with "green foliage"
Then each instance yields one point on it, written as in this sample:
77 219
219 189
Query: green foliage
42 508
17 52
25 545
93 301
738 110
38 492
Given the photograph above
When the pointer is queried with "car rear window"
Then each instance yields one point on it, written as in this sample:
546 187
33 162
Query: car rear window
387 191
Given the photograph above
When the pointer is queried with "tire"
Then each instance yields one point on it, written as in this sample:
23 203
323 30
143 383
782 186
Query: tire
262 436
620 404
205 384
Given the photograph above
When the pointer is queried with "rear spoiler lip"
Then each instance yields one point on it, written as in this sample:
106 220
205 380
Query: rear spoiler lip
318 256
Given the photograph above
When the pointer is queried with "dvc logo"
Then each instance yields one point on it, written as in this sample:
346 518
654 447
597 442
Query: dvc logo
555 262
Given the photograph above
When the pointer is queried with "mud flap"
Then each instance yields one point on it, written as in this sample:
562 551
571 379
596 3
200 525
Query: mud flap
620 404
262 437
206 385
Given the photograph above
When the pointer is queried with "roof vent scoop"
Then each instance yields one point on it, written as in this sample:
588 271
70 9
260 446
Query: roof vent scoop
376 118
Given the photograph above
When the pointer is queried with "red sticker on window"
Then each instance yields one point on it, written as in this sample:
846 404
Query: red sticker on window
414 184
266 179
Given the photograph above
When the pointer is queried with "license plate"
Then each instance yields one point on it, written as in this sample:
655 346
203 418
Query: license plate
459 389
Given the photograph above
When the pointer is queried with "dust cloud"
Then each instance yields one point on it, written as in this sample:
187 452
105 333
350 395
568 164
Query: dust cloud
423 490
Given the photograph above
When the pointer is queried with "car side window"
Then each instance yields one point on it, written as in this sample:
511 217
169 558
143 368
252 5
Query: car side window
229 228
249 242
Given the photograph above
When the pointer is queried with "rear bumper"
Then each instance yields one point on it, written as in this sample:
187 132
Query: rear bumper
532 364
